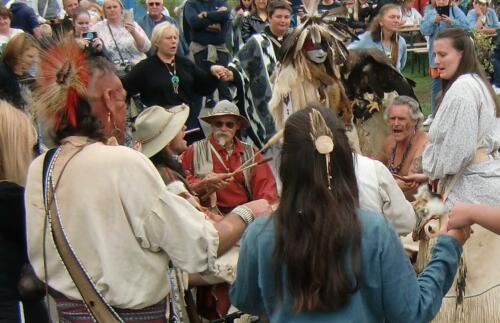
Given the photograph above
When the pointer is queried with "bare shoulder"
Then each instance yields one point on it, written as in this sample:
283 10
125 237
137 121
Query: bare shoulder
420 140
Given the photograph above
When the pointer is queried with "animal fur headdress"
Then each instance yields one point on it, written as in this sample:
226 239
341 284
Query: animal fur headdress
318 28
62 80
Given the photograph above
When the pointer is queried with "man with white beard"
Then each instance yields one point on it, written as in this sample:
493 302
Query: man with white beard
212 165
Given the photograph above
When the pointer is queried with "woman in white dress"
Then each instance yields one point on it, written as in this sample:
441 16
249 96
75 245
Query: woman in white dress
463 144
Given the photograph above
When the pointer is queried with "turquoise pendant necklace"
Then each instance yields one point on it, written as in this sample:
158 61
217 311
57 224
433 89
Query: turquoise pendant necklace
174 79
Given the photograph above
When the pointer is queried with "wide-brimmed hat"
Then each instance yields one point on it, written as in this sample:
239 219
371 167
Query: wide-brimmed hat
484 1
155 127
226 108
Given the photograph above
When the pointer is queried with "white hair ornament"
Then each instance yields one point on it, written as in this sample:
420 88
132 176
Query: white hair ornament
322 138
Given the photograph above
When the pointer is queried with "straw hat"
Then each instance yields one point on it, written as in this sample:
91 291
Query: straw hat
226 108
155 127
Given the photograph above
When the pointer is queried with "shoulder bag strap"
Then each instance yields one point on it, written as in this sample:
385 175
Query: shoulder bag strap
116 44
100 310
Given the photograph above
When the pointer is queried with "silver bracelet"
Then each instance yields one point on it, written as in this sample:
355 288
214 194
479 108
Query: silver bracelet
244 213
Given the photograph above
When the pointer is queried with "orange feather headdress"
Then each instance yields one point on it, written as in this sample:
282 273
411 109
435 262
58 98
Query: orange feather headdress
62 80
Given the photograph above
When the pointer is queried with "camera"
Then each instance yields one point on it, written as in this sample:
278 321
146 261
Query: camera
90 35
124 66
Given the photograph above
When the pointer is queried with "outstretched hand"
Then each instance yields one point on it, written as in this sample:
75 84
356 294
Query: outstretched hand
460 216
461 235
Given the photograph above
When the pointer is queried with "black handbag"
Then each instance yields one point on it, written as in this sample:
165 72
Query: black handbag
29 287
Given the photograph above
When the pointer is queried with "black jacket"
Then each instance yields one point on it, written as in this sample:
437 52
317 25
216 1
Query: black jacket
251 25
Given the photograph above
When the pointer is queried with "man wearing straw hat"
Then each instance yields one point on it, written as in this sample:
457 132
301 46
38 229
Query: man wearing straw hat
237 173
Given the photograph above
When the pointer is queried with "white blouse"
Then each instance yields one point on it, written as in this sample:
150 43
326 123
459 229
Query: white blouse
127 46
123 224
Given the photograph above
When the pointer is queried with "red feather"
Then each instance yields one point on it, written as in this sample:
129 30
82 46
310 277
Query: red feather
71 106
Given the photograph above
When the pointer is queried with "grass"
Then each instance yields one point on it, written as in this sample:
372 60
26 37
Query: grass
423 85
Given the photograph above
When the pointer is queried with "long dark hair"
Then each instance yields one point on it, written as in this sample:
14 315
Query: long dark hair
469 64
164 158
376 31
318 234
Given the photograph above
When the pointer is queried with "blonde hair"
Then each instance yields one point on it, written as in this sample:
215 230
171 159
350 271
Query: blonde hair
120 3
160 30
17 138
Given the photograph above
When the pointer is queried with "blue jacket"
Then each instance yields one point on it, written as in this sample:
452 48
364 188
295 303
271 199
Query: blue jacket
430 28
147 24
491 19
389 290
366 41
199 32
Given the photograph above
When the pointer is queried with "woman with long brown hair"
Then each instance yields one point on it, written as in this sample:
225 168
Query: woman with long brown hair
18 56
463 155
319 257
383 35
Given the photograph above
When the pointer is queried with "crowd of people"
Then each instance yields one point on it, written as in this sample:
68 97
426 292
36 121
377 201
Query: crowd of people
207 165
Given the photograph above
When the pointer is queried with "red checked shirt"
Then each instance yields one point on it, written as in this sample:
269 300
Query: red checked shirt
263 184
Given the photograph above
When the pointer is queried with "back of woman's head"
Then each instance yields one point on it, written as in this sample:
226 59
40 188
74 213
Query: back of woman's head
469 62
16 46
17 138
316 226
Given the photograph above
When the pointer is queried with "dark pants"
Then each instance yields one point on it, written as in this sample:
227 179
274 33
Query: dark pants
496 66
223 59
34 312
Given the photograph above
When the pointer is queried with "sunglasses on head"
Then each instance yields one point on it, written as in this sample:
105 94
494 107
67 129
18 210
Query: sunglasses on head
229 124
154 4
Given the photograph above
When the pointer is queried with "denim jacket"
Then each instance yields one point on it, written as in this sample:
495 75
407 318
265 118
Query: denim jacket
431 28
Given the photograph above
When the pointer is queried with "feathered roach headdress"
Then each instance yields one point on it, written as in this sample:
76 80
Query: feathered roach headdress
62 79
320 28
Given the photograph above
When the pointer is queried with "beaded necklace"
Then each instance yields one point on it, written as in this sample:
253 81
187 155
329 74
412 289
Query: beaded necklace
393 168
174 79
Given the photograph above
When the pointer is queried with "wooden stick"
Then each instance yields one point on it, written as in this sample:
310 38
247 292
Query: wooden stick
187 132
239 170
273 140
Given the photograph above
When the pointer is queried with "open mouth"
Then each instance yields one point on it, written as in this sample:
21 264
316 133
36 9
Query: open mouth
397 131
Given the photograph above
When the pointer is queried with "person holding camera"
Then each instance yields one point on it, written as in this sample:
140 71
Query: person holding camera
125 42
440 16
86 39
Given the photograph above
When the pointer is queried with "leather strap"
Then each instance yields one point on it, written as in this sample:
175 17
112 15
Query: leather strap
100 310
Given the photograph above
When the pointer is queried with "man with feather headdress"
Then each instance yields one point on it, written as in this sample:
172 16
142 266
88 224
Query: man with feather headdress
313 57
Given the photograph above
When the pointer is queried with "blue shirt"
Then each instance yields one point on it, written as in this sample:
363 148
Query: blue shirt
430 28
148 24
389 288
200 31
491 19
366 41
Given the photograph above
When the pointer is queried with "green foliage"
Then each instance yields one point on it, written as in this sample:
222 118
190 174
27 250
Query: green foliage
422 89
484 50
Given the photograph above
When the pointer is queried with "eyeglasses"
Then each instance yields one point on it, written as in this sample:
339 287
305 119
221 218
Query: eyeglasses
154 4
220 124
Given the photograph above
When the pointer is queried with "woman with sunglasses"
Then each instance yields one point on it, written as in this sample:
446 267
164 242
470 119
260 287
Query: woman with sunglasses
168 79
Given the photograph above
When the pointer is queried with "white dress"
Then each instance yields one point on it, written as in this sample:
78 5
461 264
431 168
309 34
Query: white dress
464 122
